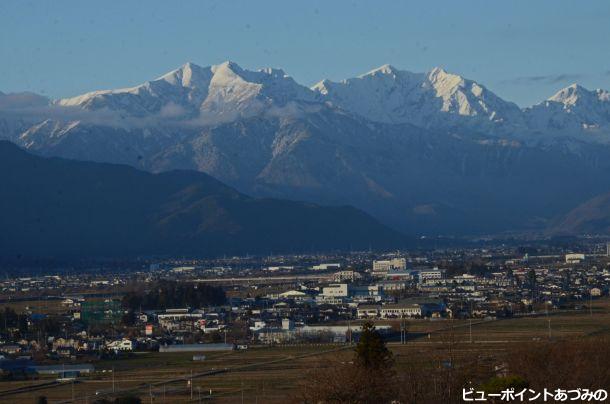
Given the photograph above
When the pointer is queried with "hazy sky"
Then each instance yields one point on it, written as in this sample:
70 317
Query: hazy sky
522 50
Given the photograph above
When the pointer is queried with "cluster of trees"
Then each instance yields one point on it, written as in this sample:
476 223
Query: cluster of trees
170 294
13 323
10 319
472 267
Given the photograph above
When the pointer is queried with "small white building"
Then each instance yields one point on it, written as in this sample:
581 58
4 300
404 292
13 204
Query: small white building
336 290
346 276
574 258
294 295
124 344
384 266
367 311
434 273
326 267
400 310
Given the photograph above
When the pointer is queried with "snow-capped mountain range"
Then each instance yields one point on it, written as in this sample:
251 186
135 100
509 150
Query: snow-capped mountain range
433 100
225 89
425 152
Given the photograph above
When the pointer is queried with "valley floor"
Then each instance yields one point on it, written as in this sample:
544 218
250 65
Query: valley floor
276 374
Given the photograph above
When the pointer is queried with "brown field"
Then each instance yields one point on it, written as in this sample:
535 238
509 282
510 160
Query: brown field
36 306
271 374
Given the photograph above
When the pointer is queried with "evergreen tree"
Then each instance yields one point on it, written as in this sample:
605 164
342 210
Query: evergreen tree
371 351
532 283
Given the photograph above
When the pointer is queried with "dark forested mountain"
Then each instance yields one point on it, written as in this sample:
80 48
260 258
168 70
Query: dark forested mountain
55 207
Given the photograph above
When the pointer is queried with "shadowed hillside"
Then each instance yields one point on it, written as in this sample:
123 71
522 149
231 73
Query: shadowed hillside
56 207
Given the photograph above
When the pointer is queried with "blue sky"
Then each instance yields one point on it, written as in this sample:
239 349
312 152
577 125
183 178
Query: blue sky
522 50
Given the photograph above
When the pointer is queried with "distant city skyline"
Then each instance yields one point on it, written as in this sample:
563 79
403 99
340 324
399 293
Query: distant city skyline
523 51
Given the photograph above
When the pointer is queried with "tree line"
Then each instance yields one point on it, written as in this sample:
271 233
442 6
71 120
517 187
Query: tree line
170 294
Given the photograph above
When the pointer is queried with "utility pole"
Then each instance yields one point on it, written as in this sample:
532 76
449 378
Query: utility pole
191 383
401 331
113 389
349 331
470 322
549 328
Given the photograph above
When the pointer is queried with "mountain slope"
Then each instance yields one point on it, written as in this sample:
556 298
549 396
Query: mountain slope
426 153
55 207
590 217
412 179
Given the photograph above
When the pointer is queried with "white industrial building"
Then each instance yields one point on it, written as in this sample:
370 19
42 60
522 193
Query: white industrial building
434 273
336 290
574 258
384 266
121 345
326 267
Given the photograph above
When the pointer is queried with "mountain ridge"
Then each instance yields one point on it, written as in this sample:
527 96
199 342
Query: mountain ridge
436 100
426 153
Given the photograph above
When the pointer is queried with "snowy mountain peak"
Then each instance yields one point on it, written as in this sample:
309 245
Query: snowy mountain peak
576 93
437 71
447 80
385 69
191 91
188 75
570 94
436 99
227 66
572 110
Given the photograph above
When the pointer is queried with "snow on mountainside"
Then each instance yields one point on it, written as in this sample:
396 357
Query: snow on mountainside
572 110
189 91
424 152
434 100
437 100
